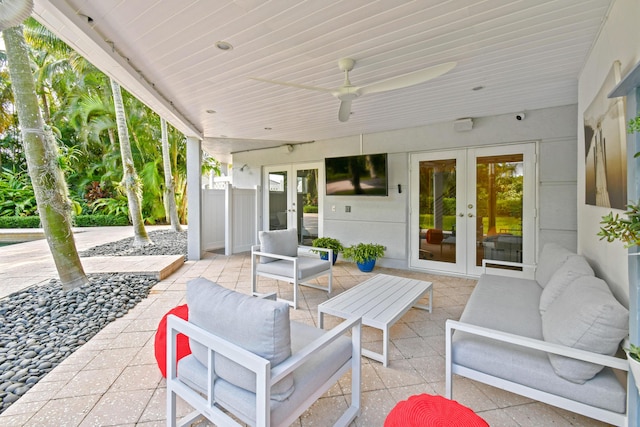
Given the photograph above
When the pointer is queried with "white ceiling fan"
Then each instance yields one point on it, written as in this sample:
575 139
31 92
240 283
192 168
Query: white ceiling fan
348 92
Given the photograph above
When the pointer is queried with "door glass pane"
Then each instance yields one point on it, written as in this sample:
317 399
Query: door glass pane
438 210
307 205
277 200
499 195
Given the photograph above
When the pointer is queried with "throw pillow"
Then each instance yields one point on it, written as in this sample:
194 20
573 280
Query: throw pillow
279 242
575 266
551 258
585 316
258 325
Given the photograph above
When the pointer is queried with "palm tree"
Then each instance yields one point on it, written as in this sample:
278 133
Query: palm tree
130 180
169 192
41 152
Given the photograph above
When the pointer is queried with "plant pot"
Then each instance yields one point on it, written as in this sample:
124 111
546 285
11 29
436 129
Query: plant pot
325 256
634 367
366 266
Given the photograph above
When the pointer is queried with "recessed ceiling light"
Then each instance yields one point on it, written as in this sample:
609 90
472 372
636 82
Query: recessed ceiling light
211 111
222 45
478 88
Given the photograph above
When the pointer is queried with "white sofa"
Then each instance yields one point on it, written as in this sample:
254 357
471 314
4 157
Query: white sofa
552 338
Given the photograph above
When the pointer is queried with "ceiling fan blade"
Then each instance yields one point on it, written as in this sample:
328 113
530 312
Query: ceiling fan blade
345 110
407 80
317 89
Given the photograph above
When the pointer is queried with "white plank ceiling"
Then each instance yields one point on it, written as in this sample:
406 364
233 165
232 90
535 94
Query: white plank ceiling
525 54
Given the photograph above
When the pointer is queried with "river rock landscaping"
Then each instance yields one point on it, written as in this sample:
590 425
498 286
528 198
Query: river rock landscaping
42 325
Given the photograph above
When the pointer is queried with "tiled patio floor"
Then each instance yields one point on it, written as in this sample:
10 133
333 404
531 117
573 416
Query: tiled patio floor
113 380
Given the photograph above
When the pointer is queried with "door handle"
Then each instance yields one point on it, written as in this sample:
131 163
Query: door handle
460 214
470 215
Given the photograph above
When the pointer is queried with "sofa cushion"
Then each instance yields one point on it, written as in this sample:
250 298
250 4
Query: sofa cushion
506 304
551 258
258 325
532 368
585 316
279 242
575 266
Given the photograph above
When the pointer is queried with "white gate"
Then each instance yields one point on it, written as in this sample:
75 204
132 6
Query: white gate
229 218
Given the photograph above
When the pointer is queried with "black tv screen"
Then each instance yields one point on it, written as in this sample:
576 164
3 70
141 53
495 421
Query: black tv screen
363 175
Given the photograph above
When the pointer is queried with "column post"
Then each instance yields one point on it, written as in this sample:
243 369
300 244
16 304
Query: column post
194 198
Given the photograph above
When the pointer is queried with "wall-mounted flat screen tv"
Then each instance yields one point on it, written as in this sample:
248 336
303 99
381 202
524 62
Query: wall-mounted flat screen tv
363 175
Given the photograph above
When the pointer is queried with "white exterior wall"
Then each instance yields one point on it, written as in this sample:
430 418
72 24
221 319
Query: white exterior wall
385 220
618 40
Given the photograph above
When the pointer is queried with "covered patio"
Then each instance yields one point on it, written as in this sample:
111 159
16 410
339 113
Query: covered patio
114 380
247 82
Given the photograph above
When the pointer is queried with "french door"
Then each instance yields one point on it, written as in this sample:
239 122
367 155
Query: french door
292 200
473 204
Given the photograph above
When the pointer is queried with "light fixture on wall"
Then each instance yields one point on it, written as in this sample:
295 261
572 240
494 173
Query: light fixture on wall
288 148
463 125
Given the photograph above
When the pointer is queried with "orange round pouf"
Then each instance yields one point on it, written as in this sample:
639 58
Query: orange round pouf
425 410
160 343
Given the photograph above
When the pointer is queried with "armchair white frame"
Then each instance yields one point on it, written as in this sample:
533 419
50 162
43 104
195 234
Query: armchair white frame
209 407
296 270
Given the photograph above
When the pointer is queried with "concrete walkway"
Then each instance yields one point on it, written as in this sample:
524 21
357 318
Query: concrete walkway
30 263
113 380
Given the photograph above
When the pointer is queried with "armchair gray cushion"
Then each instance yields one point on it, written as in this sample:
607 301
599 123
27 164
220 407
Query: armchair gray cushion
588 317
258 325
306 267
308 377
279 242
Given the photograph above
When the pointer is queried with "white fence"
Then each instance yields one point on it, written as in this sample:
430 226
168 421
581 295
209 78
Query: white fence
231 209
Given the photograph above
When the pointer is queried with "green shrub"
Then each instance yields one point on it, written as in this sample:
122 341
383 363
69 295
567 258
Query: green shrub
20 222
100 220
310 209
78 221
16 195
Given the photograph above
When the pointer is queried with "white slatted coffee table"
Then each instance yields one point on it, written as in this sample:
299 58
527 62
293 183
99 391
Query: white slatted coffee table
381 301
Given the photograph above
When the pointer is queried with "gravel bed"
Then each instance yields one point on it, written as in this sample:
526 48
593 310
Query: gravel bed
165 242
42 325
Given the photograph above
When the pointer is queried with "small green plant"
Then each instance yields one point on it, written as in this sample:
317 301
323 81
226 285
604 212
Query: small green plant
634 352
363 252
616 227
328 243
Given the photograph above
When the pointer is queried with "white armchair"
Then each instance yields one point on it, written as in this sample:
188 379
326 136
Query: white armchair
251 362
280 257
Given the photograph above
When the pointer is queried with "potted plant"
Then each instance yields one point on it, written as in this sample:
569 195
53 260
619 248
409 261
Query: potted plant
364 255
328 243
626 230
633 355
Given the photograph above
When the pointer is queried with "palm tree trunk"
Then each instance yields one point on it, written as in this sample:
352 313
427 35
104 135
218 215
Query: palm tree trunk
41 153
130 179
169 193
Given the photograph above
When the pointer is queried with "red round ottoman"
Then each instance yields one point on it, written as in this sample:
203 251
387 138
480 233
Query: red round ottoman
160 343
425 410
